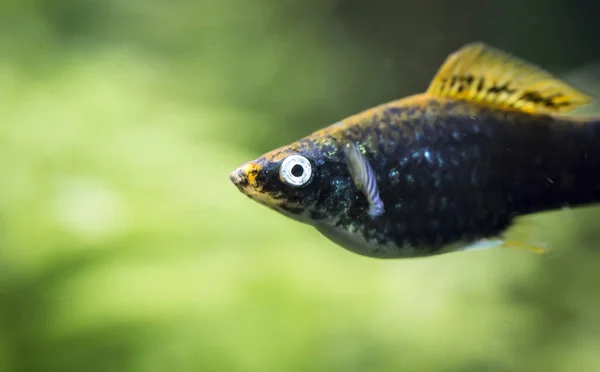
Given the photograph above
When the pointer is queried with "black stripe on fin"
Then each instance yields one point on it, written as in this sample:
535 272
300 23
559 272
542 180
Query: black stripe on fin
483 74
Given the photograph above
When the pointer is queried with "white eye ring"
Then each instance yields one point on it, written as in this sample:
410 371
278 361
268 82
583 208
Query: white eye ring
295 170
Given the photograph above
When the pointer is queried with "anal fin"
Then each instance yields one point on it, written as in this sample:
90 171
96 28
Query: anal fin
522 234
537 248
509 243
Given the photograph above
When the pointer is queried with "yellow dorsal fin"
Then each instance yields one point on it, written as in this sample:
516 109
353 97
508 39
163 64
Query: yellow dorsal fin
480 73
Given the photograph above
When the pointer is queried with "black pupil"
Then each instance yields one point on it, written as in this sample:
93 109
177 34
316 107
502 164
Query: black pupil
297 170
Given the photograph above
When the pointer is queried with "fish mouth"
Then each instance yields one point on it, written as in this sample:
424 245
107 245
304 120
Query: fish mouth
244 177
238 178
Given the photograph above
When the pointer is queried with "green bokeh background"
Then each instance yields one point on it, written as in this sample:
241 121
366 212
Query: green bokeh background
123 246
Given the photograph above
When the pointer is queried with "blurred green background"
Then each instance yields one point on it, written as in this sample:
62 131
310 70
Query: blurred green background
123 246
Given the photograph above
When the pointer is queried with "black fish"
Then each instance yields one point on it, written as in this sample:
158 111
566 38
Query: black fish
447 170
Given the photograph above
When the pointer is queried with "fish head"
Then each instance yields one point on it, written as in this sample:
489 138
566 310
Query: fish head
295 180
310 182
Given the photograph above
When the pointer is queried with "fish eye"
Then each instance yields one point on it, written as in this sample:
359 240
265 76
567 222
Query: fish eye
295 170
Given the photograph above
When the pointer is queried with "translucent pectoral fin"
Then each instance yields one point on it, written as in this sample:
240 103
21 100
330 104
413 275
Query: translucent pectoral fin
364 178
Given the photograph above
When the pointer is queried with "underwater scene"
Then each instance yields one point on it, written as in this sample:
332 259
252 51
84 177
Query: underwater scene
318 185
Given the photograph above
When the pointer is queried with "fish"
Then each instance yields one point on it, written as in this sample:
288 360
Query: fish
455 168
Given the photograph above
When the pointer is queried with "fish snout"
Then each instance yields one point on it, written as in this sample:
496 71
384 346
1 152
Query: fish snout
245 176
238 178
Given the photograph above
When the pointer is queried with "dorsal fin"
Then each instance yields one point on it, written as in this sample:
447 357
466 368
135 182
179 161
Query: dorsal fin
480 73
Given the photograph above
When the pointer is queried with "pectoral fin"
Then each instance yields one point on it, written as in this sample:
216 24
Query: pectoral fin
364 178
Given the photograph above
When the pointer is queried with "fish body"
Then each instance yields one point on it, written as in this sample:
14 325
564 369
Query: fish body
447 170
